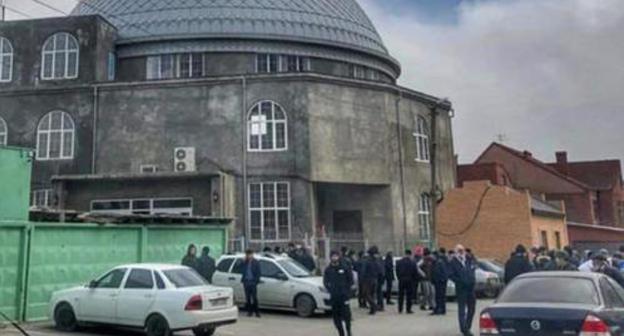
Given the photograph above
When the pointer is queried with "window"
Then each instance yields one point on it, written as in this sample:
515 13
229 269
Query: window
4 133
60 57
549 290
55 137
358 71
188 65
373 74
112 279
42 198
153 206
424 217
267 63
238 266
140 279
269 211
6 60
112 66
558 240
295 63
224 265
184 278
267 128
611 297
269 269
422 140
160 283
544 242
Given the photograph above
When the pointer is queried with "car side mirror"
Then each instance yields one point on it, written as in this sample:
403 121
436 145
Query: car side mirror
92 284
281 276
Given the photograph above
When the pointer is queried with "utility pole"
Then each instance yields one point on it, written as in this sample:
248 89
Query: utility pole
433 157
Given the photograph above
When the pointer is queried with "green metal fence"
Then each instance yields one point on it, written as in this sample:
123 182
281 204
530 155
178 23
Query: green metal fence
37 259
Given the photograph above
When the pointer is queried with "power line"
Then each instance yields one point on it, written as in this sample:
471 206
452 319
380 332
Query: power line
16 11
48 6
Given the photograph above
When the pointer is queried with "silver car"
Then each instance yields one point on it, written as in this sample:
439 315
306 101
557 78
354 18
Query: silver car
285 284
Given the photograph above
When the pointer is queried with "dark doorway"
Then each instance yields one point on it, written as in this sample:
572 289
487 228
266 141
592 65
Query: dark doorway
348 225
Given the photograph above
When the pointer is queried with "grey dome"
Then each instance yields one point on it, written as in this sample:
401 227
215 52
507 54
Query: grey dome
339 23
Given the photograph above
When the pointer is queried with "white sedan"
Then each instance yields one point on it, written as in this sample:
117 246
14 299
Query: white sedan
159 299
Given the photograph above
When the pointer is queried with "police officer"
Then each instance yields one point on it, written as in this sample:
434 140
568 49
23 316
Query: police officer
462 271
370 276
338 279
406 274
439 278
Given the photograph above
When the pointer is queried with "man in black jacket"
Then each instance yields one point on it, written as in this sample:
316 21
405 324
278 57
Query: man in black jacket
518 264
406 274
462 271
338 279
369 277
439 278
389 272
251 279
601 265
206 265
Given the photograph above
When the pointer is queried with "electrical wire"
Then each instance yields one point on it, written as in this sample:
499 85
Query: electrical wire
16 11
474 217
48 6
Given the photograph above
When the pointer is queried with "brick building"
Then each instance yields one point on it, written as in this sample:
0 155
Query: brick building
591 191
492 219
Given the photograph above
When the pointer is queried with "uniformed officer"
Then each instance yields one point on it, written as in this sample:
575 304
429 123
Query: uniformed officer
338 279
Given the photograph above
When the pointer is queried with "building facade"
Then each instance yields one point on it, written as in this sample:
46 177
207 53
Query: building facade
300 108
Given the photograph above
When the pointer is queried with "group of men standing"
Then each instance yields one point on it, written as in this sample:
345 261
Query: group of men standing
430 272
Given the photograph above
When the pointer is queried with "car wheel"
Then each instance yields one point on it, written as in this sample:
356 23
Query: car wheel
204 331
64 318
156 325
305 305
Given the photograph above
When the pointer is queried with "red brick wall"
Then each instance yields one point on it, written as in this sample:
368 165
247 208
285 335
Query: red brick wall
492 172
579 207
583 234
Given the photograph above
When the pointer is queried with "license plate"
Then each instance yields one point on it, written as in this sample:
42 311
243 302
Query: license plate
219 302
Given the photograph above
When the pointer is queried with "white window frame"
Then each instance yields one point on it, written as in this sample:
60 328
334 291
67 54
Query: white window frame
421 139
47 133
358 71
4 132
278 63
131 210
276 208
262 124
112 66
302 63
424 217
41 194
6 56
66 52
176 66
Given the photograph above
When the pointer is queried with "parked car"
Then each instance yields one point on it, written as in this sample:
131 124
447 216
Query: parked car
491 265
489 284
557 303
156 298
285 284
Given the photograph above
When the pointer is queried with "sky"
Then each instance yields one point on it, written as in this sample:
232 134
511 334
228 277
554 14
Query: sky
537 75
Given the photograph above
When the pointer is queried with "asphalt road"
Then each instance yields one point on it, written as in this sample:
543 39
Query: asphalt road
388 323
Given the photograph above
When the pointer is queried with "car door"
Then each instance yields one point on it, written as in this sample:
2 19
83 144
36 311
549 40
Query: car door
99 302
222 273
275 288
613 295
136 298
234 280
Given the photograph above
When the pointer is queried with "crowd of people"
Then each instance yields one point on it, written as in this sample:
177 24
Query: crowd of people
567 259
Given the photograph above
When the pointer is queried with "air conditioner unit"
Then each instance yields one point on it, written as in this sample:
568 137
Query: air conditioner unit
184 160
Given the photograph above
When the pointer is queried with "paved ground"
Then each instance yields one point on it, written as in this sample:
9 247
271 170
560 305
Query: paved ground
275 323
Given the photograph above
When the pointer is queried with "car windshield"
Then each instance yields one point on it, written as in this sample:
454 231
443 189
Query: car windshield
294 268
551 290
182 278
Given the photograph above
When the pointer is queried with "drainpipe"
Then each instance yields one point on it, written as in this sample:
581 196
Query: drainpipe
94 131
433 157
244 152
401 166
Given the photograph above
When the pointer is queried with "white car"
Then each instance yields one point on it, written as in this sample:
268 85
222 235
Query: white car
285 284
159 299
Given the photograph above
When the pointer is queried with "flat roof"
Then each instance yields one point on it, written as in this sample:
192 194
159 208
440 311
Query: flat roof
135 176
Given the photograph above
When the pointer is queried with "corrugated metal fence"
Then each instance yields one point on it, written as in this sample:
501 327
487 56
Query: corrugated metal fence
37 259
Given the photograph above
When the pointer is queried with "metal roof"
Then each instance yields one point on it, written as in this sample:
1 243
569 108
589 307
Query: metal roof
339 23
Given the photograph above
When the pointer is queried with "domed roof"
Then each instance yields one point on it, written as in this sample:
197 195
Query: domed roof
338 23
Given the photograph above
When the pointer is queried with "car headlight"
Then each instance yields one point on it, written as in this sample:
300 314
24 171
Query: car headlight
323 290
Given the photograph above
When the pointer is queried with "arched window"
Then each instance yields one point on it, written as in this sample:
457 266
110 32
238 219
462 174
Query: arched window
422 140
6 60
267 128
60 57
4 132
424 217
55 137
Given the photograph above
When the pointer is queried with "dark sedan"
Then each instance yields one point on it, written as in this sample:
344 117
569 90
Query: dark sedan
557 303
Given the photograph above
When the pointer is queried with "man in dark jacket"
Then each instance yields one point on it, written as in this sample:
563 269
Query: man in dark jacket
338 279
462 272
439 278
250 280
389 272
517 264
601 265
369 277
407 274
206 265
381 279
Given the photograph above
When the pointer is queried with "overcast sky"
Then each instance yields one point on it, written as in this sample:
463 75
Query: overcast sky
542 75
